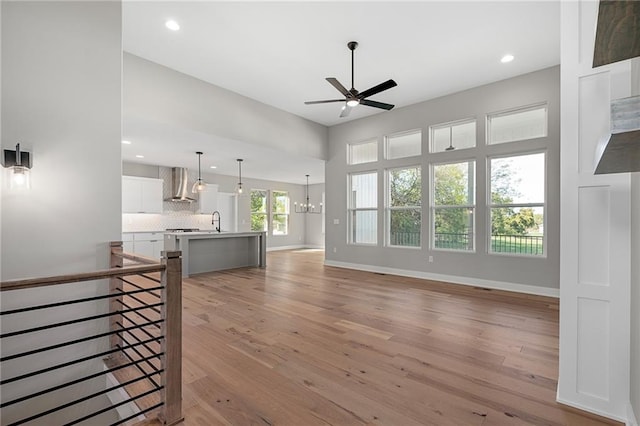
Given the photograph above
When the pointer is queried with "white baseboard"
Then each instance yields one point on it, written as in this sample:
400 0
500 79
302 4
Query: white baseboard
632 420
591 410
475 282
277 248
294 247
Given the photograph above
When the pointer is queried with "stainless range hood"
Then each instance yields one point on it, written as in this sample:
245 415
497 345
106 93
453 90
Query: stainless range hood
179 181
622 151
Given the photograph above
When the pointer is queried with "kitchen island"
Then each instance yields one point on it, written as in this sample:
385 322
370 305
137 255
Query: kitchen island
207 251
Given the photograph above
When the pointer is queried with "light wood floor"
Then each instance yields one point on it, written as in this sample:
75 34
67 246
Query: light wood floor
303 344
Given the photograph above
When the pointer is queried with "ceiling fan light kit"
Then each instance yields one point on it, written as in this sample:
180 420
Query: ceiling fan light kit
353 97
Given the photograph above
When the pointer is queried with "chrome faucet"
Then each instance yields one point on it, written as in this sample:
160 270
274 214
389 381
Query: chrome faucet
214 220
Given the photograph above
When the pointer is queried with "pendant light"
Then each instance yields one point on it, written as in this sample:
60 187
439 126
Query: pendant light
307 207
198 185
239 186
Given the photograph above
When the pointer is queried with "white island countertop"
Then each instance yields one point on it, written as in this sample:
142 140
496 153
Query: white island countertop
207 251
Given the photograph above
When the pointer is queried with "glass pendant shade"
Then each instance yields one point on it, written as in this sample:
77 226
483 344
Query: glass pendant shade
199 185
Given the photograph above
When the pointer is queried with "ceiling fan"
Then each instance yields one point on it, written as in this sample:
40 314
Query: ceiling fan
354 98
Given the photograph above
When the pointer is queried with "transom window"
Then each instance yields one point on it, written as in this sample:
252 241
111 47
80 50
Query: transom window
405 144
517 125
453 206
451 136
517 204
404 211
362 152
363 208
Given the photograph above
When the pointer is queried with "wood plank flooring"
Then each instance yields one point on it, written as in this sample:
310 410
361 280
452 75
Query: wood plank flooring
303 344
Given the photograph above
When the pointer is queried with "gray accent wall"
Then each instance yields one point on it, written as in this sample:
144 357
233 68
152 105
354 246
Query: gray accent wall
149 90
61 85
529 89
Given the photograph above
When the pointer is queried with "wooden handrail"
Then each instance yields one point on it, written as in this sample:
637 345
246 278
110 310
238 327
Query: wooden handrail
82 276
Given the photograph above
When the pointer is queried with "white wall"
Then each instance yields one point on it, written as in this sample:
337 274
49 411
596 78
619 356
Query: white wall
61 85
635 266
595 229
519 273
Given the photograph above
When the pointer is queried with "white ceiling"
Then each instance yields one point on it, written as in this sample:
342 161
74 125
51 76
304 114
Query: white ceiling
280 53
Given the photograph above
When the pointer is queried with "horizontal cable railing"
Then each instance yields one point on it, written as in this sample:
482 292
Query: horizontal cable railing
132 369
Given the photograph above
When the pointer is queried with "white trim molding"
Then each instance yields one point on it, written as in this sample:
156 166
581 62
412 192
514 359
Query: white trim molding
631 417
453 279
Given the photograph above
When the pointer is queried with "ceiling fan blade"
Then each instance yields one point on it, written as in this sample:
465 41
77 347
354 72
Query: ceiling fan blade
375 104
345 111
335 83
377 89
323 102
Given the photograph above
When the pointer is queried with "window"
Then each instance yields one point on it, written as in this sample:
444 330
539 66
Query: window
259 210
453 206
363 152
280 213
517 125
404 198
405 144
450 136
517 204
363 208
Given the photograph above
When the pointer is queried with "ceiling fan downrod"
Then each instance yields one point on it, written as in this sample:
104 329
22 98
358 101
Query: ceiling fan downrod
352 46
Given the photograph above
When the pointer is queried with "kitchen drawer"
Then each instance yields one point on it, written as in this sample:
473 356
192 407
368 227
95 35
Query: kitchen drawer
148 236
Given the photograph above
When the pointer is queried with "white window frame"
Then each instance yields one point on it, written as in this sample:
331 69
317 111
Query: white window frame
273 214
451 125
352 210
491 206
513 111
433 208
389 208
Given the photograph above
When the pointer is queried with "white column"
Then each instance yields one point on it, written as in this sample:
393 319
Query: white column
595 228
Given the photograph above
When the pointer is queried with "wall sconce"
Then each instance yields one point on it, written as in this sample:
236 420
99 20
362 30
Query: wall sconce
18 163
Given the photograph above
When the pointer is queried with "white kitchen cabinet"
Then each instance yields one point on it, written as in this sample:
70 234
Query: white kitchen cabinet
149 244
208 199
141 195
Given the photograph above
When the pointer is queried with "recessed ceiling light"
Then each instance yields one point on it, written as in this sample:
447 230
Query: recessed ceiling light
506 58
172 25
126 142
139 156
213 167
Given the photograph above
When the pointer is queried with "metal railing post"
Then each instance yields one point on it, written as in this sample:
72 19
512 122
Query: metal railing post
172 343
